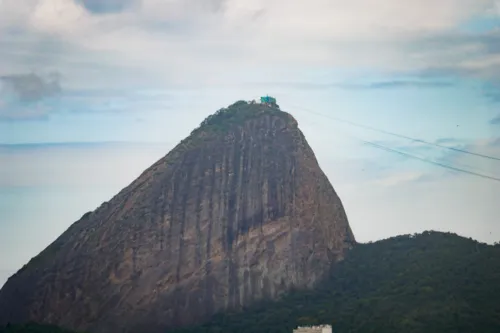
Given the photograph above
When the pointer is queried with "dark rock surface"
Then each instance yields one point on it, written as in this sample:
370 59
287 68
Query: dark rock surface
238 212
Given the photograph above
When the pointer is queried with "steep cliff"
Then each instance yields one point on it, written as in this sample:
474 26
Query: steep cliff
237 212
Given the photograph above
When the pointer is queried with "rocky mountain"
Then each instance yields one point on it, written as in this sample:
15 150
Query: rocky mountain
236 213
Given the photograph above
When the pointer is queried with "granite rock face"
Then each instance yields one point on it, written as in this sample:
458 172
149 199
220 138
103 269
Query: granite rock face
238 212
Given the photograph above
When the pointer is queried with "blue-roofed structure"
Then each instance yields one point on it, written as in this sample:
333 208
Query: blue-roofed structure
268 100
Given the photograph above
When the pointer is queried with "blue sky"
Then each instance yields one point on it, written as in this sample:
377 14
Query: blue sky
93 92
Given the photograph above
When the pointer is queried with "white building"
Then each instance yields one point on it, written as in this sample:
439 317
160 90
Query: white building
313 329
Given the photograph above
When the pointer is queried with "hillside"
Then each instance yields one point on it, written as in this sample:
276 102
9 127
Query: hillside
33 328
431 282
237 213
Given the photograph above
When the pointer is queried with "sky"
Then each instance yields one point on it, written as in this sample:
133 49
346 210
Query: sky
92 92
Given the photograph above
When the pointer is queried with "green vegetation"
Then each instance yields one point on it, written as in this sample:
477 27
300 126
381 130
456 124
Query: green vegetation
33 328
235 114
432 282
223 120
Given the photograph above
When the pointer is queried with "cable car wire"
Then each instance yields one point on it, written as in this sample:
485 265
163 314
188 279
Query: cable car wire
400 135
443 165
426 160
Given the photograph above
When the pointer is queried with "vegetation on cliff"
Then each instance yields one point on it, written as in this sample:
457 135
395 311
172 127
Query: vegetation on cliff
221 122
235 114
432 282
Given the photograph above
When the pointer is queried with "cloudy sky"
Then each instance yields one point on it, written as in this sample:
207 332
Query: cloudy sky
94 91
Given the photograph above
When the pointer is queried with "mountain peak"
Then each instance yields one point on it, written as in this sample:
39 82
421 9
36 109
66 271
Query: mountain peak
237 114
238 212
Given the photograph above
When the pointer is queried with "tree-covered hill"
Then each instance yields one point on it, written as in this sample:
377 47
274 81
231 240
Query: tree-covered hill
431 282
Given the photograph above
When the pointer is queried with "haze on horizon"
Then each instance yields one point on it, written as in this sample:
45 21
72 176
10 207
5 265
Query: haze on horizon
93 92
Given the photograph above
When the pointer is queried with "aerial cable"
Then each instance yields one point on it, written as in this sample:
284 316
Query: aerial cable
402 153
443 165
401 136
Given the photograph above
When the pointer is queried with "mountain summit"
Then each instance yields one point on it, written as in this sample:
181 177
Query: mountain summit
238 212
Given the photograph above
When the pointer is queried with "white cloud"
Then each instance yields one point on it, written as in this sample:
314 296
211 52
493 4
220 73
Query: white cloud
182 41
390 198
398 178
97 165
59 16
